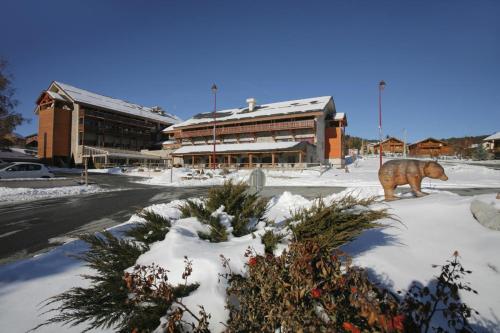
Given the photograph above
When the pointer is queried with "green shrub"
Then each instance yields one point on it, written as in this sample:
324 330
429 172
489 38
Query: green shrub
106 302
308 289
247 210
152 230
217 233
270 240
336 224
192 208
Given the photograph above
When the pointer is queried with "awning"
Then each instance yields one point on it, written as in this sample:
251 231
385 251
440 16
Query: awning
242 147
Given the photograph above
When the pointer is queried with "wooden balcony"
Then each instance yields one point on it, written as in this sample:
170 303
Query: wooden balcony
269 127
116 118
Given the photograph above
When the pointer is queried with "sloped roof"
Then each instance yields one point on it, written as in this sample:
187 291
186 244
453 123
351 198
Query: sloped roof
89 98
55 95
279 108
495 136
339 116
389 139
239 147
428 139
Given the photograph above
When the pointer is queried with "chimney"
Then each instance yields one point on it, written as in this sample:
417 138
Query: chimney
251 103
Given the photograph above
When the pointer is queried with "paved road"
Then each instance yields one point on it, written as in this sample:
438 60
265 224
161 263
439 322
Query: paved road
27 228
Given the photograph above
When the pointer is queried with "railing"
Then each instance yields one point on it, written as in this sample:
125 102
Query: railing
268 127
117 118
270 166
105 151
93 151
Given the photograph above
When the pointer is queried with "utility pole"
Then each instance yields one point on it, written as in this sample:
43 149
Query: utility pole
171 170
381 87
404 142
214 91
86 171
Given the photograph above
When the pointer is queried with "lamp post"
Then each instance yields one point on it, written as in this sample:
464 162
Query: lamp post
214 91
381 87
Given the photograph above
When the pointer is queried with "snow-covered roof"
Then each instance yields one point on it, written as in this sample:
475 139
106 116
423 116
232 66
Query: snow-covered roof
279 108
427 139
55 95
339 116
495 136
389 139
264 146
86 97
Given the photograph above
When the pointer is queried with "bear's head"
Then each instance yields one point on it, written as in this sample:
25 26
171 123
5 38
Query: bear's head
434 170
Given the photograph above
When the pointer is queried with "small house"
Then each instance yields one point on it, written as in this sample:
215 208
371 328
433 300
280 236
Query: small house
430 147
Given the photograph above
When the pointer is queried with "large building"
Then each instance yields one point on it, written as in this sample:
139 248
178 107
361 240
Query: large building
291 133
74 123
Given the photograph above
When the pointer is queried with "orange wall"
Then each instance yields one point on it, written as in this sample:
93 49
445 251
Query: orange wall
45 132
62 133
54 133
333 142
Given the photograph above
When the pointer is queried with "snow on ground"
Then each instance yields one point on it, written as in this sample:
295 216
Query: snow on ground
8 195
431 229
362 173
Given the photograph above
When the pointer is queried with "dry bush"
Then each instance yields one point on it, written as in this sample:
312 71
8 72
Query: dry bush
308 289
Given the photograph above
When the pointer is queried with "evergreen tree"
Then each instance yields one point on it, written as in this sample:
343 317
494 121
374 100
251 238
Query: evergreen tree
480 153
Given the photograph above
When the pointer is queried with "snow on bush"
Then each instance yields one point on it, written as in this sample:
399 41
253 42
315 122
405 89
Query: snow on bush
395 257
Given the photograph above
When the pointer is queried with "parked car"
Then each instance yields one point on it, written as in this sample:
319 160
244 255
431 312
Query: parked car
24 170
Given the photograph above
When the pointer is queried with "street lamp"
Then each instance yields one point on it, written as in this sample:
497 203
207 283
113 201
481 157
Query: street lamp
381 87
214 91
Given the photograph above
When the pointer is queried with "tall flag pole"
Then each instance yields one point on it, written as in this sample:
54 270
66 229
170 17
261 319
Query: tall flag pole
381 87
214 91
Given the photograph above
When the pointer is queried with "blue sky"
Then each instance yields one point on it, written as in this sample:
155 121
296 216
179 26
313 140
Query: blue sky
440 59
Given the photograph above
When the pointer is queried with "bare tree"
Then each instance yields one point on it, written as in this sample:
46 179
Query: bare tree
9 118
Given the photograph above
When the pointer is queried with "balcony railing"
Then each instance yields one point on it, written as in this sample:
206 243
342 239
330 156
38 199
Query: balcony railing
269 127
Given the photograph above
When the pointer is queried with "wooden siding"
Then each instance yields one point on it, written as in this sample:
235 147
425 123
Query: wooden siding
54 128
391 145
430 148
265 127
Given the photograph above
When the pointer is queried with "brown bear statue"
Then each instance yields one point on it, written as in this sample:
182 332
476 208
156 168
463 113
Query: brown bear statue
401 172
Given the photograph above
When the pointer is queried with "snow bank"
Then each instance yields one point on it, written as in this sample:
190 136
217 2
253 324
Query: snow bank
8 194
111 171
431 229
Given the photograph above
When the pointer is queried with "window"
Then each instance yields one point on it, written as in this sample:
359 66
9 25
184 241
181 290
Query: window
18 167
33 167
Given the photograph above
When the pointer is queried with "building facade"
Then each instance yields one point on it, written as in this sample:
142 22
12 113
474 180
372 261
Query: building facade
430 147
291 133
390 146
76 123
493 144
32 140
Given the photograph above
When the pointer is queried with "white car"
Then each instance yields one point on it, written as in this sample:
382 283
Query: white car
24 170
